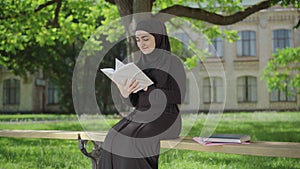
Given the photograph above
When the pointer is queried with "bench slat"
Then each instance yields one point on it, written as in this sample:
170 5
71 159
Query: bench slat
257 148
53 134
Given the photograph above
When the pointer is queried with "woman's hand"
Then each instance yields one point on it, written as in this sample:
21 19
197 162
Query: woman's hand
145 89
128 87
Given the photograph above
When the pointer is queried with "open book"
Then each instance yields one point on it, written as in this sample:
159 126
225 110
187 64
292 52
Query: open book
127 71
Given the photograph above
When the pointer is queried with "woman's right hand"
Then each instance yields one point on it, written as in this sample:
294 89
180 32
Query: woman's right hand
128 87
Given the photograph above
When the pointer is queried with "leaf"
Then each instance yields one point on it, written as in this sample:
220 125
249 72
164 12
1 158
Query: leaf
284 66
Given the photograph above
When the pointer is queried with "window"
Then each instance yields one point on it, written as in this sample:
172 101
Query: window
216 47
247 89
246 46
11 91
281 39
287 94
53 94
183 38
180 43
213 90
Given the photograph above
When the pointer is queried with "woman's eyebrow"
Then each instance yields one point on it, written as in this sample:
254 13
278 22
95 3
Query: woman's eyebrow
145 36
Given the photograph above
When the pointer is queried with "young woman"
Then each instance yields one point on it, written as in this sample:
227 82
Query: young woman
134 142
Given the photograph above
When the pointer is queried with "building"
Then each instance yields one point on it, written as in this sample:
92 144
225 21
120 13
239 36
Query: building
229 81
28 94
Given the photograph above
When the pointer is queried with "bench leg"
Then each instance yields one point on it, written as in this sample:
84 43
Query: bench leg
94 155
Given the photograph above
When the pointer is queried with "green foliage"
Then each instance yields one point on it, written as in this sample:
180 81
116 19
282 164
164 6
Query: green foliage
225 6
192 55
283 70
286 3
23 25
209 33
111 24
33 39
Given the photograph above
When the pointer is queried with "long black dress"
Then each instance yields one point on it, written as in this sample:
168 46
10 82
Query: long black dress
134 142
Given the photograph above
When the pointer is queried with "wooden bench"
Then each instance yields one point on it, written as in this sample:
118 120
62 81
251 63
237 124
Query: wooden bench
256 148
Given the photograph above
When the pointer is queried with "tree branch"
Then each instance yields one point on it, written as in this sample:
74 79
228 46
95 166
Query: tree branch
111 1
37 9
40 7
201 14
54 22
125 7
57 10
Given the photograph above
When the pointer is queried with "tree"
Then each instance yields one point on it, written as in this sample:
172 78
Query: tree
46 23
40 35
48 34
283 71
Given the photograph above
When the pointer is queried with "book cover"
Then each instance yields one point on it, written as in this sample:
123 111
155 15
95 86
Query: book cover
200 140
227 138
127 71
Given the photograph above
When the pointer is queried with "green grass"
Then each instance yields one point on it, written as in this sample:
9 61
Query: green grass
57 154
38 153
35 117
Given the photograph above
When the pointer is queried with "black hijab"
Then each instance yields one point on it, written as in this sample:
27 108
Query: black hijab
165 69
160 57
158 30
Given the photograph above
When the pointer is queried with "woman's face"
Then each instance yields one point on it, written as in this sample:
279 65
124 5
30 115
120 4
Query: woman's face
145 41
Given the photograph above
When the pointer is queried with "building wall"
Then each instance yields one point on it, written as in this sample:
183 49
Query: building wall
33 95
263 23
26 93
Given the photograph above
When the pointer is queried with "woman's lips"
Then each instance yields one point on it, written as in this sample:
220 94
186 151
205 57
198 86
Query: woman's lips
144 48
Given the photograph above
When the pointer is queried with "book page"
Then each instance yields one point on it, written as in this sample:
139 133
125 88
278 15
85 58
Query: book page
128 72
131 71
119 64
108 72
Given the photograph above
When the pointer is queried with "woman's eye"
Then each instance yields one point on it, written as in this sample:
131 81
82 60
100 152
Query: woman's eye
146 39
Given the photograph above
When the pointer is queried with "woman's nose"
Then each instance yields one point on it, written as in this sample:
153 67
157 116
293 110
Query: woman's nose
142 43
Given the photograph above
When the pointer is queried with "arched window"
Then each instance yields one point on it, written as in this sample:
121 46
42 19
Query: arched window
213 90
247 89
11 91
246 46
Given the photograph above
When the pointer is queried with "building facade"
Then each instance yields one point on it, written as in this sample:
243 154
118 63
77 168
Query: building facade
231 78
228 80
27 94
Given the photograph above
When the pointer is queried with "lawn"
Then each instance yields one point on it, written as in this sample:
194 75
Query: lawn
57 154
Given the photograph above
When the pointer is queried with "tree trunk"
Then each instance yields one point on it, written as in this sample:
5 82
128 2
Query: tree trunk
132 11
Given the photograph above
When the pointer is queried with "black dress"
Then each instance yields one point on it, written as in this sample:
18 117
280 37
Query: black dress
134 142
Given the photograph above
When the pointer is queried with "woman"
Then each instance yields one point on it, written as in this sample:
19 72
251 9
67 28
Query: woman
134 142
